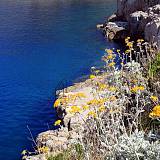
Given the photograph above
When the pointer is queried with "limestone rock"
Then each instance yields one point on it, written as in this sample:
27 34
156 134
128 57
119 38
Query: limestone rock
138 21
155 9
152 32
115 30
55 140
126 7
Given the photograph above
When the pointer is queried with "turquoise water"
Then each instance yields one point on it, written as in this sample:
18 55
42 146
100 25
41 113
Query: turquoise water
41 43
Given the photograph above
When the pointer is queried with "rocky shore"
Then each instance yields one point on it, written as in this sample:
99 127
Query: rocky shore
134 18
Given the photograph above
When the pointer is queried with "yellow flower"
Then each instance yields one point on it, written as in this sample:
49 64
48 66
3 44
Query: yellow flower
57 103
127 51
127 39
92 114
112 89
24 152
137 88
134 80
101 108
118 50
57 123
112 98
155 112
85 107
154 98
80 95
109 57
96 102
97 71
101 86
43 149
130 44
109 51
92 76
141 88
75 109
111 64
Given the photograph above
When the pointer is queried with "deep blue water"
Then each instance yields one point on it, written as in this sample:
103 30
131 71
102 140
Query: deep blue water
41 43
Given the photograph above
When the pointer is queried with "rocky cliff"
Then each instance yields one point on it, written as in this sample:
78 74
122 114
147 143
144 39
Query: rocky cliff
135 18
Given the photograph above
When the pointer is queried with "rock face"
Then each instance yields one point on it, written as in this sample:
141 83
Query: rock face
142 18
137 22
126 7
152 32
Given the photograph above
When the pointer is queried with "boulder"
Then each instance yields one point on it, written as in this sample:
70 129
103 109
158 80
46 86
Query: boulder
55 140
155 9
152 32
115 30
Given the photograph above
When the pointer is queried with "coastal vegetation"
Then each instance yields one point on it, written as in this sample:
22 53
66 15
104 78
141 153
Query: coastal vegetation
115 113
118 118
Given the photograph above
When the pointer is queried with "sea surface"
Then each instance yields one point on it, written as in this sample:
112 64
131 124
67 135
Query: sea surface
43 42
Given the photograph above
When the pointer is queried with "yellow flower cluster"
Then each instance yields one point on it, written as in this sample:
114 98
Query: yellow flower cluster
43 149
111 64
101 108
109 57
137 88
80 95
101 86
155 112
85 107
109 51
127 39
127 51
57 123
92 114
69 98
75 109
96 102
118 50
112 98
61 101
154 98
140 40
57 103
92 76
112 89
129 44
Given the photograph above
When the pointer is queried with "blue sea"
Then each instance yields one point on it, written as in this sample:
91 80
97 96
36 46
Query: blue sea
43 42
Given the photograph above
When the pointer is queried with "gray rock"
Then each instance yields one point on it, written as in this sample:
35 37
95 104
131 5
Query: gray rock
152 32
56 140
126 7
155 9
115 30
138 21
113 18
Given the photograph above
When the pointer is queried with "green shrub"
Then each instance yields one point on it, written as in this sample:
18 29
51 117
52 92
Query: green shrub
154 66
74 153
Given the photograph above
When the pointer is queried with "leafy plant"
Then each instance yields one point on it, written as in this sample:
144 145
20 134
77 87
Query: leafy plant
154 66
